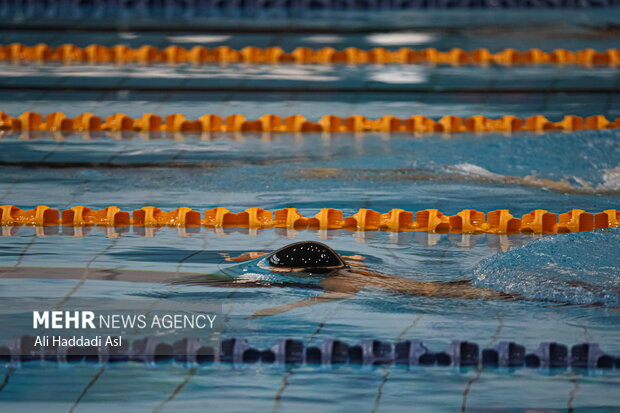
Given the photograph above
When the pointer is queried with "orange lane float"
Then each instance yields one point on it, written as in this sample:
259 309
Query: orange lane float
149 122
468 221
289 218
199 55
41 215
326 218
153 217
111 216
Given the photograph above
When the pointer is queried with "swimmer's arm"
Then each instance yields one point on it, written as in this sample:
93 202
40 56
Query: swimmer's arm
325 297
458 289
335 288
452 289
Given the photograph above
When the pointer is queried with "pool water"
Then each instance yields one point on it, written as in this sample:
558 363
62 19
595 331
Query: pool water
312 171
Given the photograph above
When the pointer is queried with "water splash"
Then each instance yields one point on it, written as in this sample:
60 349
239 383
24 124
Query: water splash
467 172
611 179
571 184
582 269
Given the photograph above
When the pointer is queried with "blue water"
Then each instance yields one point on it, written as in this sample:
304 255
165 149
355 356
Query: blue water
568 282
308 172
372 313
384 173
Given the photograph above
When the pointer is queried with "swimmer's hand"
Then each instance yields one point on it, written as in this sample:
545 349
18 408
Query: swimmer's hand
246 256
355 261
355 257
265 312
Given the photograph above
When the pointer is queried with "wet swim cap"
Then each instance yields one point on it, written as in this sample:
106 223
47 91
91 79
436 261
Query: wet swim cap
309 255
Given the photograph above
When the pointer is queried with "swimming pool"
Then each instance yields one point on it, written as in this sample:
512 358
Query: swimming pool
569 282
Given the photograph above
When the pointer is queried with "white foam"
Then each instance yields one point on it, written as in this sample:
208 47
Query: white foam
324 39
395 39
127 35
198 38
611 179
397 75
473 170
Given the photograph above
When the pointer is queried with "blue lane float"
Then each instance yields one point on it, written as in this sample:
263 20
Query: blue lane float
505 354
189 8
152 350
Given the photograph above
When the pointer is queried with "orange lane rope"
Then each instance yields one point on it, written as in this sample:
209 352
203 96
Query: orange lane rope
150 122
70 53
467 221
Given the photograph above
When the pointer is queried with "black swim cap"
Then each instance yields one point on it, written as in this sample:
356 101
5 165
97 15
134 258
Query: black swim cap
309 255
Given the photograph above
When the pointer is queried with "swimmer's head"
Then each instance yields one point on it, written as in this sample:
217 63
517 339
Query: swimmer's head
305 256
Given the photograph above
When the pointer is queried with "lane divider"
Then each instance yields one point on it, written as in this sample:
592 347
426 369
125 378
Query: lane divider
328 352
184 16
70 53
149 122
468 221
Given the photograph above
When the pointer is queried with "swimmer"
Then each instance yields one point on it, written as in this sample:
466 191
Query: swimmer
306 264
344 276
466 172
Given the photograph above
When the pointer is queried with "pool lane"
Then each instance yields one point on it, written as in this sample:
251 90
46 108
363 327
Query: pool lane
495 37
310 90
372 313
207 20
313 171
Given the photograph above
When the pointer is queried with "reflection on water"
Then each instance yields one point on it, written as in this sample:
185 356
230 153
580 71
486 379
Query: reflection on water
493 241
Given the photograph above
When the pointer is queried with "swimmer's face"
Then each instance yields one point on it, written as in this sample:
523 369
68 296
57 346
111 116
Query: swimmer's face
305 256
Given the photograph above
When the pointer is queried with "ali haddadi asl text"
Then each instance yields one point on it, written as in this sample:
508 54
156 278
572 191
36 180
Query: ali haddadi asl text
78 341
